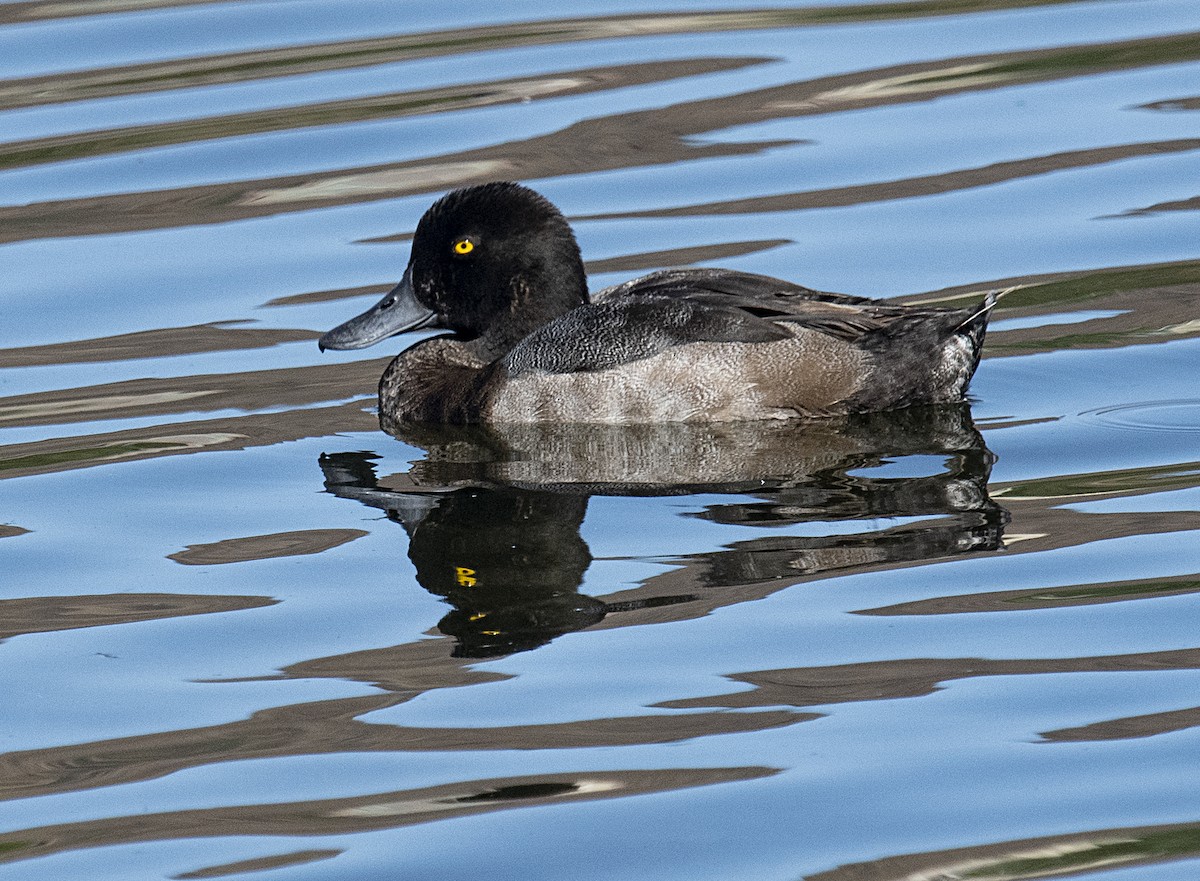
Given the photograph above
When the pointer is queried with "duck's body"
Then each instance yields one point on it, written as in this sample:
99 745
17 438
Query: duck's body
499 267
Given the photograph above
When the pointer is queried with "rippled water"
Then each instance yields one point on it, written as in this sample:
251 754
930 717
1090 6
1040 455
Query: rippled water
246 633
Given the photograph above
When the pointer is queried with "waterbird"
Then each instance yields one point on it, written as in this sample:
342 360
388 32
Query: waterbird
498 267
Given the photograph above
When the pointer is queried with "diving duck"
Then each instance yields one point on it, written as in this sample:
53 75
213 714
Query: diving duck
498 267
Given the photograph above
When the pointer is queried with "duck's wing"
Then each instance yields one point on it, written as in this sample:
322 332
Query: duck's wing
728 285
857 320
630 327
645 316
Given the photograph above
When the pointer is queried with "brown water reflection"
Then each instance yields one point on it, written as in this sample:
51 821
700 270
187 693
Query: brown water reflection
229 433
249 391
259 864
914 677
47 614
386 810
1045 598
298 542
329 727
1051 856
159 343
1131 726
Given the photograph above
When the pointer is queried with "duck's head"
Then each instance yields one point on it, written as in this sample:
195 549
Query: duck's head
491 263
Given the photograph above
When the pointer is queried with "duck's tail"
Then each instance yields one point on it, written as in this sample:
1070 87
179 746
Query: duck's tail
979 318
972 329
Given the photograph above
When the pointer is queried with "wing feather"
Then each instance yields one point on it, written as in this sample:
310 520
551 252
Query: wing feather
647 315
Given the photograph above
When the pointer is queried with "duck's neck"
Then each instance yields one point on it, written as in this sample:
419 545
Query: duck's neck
537 297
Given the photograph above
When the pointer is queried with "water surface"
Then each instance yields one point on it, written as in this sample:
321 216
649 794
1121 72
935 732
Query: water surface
246 633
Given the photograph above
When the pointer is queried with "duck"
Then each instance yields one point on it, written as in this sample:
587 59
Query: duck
497 267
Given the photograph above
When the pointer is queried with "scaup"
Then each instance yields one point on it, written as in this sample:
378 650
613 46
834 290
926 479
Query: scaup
497 265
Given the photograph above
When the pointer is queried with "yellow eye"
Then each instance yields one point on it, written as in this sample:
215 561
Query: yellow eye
464 246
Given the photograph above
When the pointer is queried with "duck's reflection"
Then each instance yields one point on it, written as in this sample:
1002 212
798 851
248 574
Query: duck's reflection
494 514
510 561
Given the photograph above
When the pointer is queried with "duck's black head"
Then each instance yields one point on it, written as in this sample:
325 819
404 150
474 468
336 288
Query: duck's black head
491 263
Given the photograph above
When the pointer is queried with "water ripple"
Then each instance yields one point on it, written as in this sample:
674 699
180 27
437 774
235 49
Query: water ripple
1179 415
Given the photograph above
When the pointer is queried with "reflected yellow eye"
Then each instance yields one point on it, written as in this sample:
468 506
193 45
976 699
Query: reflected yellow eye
464 246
